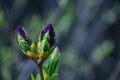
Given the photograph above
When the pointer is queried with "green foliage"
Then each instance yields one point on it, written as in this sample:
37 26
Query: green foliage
50 68
32 77
67 19
35 78
38 77
46 37
2 19
44 45
102 51
33 48
46 71
47 74
6 61
54 76
54 61
24 46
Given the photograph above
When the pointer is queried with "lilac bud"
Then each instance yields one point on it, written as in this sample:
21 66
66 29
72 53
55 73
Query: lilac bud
23 39
49 29
20 30
22 33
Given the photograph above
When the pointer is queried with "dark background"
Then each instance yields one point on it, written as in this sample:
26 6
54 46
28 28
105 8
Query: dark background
88 35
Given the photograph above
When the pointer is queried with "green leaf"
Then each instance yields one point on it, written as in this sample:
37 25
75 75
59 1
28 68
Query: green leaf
38 46
54 76
32 77
2 18
38 77
51 50
33 48
55 66
24 46
46 77
44 45
46 36
46 71
54 60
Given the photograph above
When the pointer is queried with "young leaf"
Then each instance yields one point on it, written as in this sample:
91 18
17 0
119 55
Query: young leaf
54 76
38 77
54 60
44 45
46 71
46 77
32 77
33 48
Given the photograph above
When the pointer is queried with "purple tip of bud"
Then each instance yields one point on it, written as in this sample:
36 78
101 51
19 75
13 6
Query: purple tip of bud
20 31
49 28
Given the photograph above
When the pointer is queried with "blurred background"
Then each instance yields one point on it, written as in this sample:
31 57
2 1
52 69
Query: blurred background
88 35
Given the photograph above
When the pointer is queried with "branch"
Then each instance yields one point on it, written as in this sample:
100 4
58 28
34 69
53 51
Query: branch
39 64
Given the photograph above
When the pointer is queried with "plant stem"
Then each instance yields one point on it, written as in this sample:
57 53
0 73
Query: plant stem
40 70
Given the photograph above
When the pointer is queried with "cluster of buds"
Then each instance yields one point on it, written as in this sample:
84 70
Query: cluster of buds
44 49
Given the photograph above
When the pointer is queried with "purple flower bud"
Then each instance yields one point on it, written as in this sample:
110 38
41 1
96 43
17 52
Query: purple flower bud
24 34
49 28
20 30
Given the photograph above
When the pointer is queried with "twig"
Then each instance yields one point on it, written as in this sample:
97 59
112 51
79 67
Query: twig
39 64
